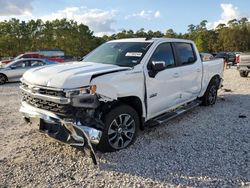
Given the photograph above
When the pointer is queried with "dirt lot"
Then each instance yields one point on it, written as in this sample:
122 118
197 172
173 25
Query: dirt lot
208 147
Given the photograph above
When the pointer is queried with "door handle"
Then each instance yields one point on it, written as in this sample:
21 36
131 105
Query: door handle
198 70
176 75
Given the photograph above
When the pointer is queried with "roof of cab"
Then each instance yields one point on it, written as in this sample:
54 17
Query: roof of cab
150 40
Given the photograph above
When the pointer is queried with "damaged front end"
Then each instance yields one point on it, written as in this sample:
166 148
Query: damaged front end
66 115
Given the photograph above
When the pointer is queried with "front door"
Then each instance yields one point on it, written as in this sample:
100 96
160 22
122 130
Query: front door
18 69
164 87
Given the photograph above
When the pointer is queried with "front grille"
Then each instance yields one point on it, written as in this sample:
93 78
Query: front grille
58 109
45 91
51 92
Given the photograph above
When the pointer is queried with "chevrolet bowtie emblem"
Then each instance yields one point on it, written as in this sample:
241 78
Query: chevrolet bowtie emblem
34 89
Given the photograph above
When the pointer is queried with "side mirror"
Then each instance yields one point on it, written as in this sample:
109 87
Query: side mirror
158 65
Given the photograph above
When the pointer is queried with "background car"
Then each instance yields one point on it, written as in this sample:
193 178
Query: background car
25 55
229 57
237 58
206 56
232 57
54 55
15 70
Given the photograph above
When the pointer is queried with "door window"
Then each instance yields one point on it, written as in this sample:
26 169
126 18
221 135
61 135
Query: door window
26 56
22 64
185 53
35 63
164 53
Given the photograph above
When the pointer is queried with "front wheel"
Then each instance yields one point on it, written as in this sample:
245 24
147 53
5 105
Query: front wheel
3 79
210 96
121 127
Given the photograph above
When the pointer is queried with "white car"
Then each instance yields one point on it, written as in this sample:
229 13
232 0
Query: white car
119 88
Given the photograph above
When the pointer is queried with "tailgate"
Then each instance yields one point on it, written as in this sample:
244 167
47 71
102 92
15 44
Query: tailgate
244 61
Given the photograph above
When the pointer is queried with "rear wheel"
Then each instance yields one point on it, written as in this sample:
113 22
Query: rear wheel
243 74
210 96
121 126
3 79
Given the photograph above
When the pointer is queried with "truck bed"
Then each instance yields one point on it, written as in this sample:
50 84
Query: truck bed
210 68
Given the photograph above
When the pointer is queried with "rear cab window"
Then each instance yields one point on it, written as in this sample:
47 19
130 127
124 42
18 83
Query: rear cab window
185 53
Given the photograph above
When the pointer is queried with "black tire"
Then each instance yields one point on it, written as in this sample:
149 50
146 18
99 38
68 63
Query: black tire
121 127
3 79
243 74
210 96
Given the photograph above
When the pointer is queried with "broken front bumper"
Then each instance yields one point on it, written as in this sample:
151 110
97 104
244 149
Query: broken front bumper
63 130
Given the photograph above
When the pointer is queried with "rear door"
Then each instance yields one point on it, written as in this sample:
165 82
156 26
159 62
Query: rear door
190 68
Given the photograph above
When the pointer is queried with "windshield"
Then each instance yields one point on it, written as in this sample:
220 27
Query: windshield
11 63
126 54
18 57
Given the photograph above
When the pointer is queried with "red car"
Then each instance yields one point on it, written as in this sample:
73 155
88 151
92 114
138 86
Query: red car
55 55
25 55
40 55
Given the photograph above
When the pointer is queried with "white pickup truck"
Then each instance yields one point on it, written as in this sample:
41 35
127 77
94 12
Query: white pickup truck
244 64
119 88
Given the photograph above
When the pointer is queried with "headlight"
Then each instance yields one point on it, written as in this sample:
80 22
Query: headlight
81 91
93 89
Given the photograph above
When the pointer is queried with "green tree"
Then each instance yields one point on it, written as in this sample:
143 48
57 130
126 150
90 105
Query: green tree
77 39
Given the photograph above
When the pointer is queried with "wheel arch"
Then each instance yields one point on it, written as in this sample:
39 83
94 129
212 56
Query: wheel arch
214 81
136 103
214 77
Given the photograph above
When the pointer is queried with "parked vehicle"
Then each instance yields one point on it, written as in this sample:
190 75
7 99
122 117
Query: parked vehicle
53 55
237 58
120 87
25 55
222 55
244 64
5 61
206 56
232 57
15 70
228 57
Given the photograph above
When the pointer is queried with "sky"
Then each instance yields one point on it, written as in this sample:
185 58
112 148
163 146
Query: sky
111 16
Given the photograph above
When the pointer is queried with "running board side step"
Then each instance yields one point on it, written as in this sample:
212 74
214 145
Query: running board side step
170 115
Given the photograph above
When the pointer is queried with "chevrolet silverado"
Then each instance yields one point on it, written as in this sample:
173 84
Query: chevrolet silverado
118 89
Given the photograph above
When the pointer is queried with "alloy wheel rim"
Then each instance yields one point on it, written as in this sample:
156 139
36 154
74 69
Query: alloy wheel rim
212 95
2 79
121 131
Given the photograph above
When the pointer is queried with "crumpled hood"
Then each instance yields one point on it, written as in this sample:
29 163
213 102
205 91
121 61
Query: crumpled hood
68 75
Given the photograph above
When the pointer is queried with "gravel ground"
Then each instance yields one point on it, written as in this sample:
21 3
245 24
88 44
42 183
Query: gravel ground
208 147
